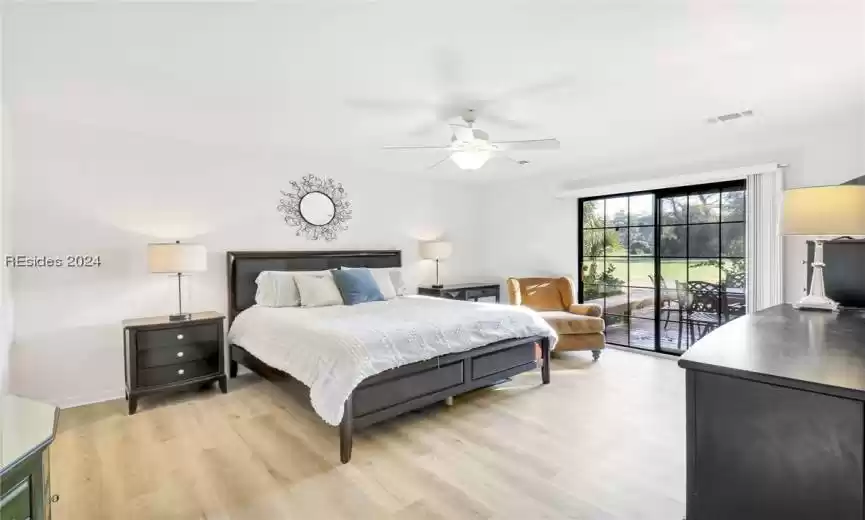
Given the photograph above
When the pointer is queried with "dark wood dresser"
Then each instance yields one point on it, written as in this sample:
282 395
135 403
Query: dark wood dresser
162 355
27 429
775 418
462 291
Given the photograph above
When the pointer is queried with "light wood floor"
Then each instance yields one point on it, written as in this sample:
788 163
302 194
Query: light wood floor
603 441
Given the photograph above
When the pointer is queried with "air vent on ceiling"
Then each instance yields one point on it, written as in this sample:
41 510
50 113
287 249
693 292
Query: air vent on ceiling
730 117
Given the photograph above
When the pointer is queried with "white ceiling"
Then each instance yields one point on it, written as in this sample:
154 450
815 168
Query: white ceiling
338 80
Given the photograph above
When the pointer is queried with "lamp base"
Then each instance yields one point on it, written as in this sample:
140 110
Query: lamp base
817 303
437 286
817 299
180 317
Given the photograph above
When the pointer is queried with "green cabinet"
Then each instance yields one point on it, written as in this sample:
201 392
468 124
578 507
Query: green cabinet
28 430
15 504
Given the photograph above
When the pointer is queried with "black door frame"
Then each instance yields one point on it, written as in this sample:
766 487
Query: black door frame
658 194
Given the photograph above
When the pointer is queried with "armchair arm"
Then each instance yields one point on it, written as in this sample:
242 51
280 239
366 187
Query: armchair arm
568 291
586 309
514 295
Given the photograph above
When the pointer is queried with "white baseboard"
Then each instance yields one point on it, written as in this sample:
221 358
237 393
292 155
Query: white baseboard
108 395
81 400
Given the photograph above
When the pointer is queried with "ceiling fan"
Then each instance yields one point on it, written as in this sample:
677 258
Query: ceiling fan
470 148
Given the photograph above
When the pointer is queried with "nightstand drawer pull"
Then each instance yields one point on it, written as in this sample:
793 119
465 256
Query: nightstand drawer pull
157 357
174 337
158 376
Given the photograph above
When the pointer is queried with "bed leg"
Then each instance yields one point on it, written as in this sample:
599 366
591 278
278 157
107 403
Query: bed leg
449 401
232 368
346 430
545 359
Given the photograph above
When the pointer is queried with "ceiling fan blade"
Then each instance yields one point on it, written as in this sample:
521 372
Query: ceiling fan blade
438 163
449 70
422 147
531 144
426 128
509 158
553 86
391 105
502 121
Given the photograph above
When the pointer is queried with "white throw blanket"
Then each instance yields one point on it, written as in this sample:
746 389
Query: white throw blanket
333 349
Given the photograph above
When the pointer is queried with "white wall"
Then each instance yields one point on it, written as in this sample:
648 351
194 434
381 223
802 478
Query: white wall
134 124
84 190
528 231
5 209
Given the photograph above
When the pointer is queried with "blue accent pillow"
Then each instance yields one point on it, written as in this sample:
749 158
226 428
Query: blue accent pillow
356 286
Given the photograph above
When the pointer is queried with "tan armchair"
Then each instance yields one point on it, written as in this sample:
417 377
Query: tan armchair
580 326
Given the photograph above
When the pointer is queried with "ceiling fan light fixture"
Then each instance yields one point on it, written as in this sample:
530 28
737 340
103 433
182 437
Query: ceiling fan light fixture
470 148
471 160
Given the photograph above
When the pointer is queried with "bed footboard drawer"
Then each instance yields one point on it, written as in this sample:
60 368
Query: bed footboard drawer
489 364
378 396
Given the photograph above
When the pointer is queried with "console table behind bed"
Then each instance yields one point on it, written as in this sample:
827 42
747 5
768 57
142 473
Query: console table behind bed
395 391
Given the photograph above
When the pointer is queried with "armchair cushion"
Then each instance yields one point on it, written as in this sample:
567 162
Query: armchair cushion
565 323
586 309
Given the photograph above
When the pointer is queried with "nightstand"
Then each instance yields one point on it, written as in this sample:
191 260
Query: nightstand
162 355
462 291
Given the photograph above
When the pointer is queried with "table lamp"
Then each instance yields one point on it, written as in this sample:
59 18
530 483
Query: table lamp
823 212
177 259
436 250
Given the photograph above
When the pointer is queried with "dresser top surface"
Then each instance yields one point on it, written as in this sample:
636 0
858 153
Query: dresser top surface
164 320
27 426
821 348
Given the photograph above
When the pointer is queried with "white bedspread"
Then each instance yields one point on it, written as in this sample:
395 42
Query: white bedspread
333 349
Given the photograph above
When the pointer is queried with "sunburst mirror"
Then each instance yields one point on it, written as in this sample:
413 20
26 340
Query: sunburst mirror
317 206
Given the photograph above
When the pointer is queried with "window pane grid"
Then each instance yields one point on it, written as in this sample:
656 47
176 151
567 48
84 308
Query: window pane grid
633 228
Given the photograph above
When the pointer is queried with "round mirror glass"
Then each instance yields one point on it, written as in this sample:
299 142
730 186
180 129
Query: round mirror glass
316 208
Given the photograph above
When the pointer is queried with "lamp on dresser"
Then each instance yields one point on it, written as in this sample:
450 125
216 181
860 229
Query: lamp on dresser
436 250
823 212
177 258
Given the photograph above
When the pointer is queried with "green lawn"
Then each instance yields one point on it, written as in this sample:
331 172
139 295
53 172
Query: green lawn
671 270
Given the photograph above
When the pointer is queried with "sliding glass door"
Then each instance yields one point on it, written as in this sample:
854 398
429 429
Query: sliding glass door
667 266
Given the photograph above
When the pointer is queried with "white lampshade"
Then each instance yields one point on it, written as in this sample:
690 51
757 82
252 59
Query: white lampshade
176 258
824 211
471 160
435 250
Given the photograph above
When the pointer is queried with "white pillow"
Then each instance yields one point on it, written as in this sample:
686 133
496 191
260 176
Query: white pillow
385 283
397 280
278 288
317 291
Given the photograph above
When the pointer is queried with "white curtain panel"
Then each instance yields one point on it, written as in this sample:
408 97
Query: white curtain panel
763 244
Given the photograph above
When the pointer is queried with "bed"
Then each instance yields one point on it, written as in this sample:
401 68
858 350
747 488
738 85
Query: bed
393 391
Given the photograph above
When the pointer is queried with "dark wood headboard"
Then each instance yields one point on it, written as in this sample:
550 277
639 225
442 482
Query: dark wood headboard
245 266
